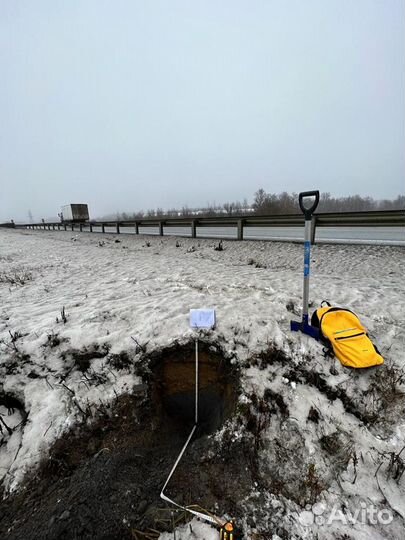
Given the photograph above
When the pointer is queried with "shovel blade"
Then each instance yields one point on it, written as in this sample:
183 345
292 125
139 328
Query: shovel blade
305 328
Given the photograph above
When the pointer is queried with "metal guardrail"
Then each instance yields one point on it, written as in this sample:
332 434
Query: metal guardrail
391 218
8 225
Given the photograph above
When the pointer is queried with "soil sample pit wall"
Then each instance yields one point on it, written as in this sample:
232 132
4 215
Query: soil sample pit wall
174 387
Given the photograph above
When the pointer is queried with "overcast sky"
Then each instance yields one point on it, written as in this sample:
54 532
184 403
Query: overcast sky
129 105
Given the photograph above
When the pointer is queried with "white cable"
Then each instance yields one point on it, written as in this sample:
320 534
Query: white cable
165 498
211 519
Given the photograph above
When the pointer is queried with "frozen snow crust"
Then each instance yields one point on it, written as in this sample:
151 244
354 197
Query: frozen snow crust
323 439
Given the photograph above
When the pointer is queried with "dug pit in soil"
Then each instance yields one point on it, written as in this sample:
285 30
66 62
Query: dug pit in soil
174 388
102 481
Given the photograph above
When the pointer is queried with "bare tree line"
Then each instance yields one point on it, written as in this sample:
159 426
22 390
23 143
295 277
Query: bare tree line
228 208
287 203
270 204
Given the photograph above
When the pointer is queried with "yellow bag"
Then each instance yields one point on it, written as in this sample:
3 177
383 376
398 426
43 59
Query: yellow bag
343 332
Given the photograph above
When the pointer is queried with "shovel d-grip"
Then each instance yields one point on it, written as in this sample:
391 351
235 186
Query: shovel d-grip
307 210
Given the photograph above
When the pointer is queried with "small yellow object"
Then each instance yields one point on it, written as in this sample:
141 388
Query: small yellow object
226 532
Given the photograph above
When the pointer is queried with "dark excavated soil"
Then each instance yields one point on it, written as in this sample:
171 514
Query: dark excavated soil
103 480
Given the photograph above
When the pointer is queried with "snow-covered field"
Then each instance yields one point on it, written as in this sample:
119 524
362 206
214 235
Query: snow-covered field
115 288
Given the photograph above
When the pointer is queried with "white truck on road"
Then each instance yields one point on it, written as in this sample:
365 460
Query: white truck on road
74 213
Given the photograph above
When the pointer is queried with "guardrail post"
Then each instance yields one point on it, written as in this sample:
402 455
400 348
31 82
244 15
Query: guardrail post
313 229
136 227
58 226
65 226
53 226
102 228
117 228
73 226
194 228
160 228
81 227
91 227
240 229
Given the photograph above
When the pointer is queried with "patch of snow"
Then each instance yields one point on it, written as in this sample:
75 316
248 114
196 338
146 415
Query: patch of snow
111 294
193 530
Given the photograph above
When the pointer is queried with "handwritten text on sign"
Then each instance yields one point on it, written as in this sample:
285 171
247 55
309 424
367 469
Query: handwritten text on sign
202 318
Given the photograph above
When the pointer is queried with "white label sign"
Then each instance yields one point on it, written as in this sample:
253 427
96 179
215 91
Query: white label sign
202 318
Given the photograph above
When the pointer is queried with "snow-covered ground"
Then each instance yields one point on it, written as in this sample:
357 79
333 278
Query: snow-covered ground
114 288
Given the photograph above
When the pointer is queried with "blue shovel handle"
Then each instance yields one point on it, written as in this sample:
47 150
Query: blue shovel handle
304 325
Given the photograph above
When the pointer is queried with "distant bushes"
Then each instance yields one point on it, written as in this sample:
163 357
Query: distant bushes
287 203
269 204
